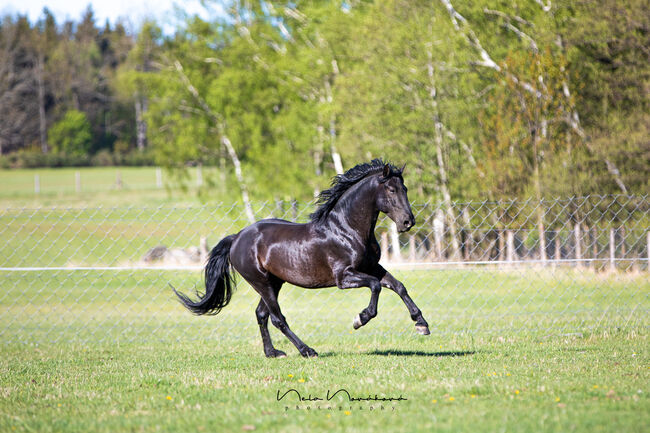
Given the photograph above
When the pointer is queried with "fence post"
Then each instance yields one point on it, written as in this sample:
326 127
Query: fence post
438 233
469 235
612 249
199 175
502 245
412 250
384 245
648 249
594 237
158 177
578 244
394 240
510 245
37 184
77 181
118 180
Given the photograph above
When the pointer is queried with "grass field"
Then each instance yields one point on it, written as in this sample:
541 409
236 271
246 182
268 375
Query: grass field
593 383
512 348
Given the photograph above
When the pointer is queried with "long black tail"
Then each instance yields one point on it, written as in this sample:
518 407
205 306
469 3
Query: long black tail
219 283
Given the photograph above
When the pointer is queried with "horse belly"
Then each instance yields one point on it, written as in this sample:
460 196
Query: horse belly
301 266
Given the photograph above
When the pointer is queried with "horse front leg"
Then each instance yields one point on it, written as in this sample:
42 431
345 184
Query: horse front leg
387 280
353 279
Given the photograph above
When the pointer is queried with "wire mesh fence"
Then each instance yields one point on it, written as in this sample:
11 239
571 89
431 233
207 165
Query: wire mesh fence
562 265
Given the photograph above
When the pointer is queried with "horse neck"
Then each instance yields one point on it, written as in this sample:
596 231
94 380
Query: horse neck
357 209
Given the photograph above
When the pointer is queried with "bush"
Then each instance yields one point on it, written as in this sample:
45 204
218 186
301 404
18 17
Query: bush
71 135
103 158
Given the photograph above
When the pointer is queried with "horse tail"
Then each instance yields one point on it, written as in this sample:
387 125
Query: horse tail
219 283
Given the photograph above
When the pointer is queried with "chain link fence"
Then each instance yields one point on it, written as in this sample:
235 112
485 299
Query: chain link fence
104 274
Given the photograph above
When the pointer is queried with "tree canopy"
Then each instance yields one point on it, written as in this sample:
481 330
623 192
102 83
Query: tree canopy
486 100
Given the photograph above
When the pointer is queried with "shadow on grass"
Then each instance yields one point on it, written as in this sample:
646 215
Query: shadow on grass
399 353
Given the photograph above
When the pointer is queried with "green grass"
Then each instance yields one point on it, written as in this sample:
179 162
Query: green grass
515 350
594 382
512 348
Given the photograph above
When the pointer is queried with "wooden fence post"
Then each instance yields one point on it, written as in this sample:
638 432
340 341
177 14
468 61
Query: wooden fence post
578 244
384 245
612 249
77 181
37 184
438 233
394 240
469 235
412 249
199 175
648 249
510 245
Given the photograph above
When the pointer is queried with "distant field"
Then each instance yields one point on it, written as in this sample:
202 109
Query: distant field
98 185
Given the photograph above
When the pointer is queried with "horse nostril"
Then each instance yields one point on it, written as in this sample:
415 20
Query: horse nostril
407 223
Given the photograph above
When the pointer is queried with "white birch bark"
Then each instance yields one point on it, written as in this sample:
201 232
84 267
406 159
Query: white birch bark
224 139
442 171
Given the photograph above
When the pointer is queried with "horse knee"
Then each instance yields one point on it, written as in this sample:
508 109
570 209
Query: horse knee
262 317
262 314
279 322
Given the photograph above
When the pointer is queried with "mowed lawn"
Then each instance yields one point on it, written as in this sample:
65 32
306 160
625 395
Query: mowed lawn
509 351
589 382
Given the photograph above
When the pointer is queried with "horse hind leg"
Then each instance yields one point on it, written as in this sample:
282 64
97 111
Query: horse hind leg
268 290
262 314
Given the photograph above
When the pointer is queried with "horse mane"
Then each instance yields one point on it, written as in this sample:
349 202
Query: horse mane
342 182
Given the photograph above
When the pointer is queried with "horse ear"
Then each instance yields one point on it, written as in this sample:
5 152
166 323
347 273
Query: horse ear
402 170
386 172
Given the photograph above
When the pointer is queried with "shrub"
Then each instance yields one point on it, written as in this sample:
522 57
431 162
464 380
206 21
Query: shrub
71 135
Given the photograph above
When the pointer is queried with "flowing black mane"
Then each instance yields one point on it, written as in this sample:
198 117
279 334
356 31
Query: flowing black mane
342 182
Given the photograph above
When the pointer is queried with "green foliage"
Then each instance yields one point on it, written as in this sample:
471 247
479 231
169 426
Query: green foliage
515 99
71 135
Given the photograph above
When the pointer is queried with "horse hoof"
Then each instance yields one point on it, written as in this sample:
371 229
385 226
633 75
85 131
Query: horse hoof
423 330
310 353
356 323
277 354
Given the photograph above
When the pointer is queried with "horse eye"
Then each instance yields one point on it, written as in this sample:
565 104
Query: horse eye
390 190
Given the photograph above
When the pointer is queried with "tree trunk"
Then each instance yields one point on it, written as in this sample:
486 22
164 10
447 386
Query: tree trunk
318 157
442 171
42 120
140 124
224 139
336 157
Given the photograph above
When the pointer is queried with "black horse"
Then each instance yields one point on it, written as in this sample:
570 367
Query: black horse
336 248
